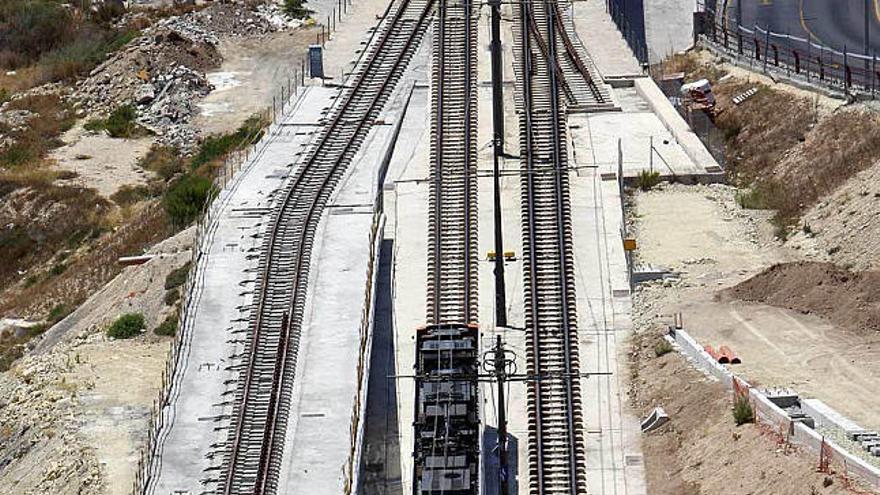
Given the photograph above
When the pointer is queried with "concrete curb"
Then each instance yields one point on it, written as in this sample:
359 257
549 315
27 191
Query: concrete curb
676 125
769 414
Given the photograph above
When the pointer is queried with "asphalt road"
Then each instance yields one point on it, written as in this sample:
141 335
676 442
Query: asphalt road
834 23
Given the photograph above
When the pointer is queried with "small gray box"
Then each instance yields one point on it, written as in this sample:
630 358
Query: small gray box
316 61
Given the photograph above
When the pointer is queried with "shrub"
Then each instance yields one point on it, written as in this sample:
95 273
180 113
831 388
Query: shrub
662 348
57 269
647 180
168 327
296 9
58 313
184 200
752 199
74 59
177 277
30 28
171 297
214 147
165 161
120 124
127 326
742 410
52 116
128 195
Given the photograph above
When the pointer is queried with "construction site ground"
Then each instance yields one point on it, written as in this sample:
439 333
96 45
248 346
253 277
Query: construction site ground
701 451
710 243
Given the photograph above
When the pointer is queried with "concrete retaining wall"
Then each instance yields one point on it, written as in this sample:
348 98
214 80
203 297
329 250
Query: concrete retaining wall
677 126
769 414
700 358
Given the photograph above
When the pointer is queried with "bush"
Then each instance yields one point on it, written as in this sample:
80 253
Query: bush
752 199
177 277
72 60
57 269
52 116
647 180
30 28
165 161
184 200
127 326
171 297
128 195
662 348
167 327
296 9
215 147
120 124
58 313
742 410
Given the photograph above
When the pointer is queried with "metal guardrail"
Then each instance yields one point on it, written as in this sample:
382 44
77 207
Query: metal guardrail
837 69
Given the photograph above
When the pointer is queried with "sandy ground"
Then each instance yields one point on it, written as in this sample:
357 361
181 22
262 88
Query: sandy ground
253 71
701 233
81 403
100 161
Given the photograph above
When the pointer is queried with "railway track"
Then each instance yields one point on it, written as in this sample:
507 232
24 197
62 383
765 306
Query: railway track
556 448
452 237
252 458
446 426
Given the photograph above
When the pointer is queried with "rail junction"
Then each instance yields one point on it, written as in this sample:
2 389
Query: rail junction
445 449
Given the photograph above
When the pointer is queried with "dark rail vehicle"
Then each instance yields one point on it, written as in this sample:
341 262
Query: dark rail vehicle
447 420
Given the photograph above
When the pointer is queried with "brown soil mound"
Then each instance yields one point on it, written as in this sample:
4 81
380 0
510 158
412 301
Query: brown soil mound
847 299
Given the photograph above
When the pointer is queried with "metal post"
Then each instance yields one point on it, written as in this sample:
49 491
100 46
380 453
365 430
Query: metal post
867 33
873 74
651 153
766 48
498 152
501 375
809 54
739 21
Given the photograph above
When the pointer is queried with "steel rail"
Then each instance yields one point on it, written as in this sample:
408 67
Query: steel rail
556 464
303 233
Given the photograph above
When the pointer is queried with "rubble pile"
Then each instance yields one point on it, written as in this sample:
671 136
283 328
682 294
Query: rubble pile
38 412
162 72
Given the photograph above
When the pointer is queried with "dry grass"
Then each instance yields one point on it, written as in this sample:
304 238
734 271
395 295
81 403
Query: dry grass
94 263
778 145
51 117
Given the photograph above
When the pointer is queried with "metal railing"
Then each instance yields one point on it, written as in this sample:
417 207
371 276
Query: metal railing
837 69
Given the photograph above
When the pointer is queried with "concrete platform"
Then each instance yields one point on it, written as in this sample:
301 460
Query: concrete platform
606 46
329 391
223 294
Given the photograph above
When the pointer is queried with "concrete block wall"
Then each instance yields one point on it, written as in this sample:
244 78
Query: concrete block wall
769 414
700 358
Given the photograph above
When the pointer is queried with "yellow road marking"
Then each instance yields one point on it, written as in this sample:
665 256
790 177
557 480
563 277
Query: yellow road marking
807 28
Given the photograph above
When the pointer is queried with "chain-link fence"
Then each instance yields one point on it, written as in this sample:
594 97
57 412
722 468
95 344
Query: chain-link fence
698 119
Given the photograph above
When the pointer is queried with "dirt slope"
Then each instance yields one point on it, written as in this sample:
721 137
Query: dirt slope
848 299
701 450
